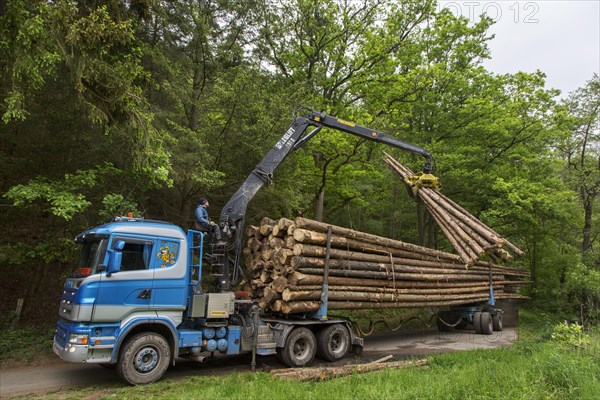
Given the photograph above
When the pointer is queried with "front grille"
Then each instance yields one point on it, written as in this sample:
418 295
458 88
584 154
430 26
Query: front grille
62 333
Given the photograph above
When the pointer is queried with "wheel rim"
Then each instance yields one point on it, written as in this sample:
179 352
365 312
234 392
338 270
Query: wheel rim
337 343
146 359
301 348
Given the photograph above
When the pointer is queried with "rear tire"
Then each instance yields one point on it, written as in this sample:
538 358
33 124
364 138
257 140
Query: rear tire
333 342
497 321
477 322
487 326
144 359
299 349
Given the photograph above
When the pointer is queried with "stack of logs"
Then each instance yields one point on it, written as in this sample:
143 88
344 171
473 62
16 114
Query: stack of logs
470 237
285 264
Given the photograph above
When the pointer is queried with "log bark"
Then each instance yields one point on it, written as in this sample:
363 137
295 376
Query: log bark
385 265
301 279
284 224
369 238
266 230
285 272
251 230
448 214
267 221
277 243
284 256
279 284
480 287
278 232
266 253
255 245
396 296
310 250
398 276
322 373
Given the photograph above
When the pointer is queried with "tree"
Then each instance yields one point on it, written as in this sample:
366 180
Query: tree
581 151
79 141
328 51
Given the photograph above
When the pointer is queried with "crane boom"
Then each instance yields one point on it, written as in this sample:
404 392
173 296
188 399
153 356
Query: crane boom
232 216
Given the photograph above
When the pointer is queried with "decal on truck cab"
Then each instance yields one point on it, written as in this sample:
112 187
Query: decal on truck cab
167 253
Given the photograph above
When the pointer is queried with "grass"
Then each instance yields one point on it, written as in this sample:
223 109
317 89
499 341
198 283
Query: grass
536 367
532 371
25 346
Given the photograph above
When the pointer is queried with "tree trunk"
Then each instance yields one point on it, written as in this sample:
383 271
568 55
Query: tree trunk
319 205
421 223
431 236
588 202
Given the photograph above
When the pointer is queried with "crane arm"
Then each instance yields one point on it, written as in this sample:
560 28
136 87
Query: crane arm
232 216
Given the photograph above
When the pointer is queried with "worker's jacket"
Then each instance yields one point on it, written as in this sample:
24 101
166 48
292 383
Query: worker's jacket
202 219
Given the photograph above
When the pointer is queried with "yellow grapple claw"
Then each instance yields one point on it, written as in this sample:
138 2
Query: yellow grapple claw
423 180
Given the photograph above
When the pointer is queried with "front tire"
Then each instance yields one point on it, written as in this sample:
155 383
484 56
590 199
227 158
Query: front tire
300 348
333 342
144 359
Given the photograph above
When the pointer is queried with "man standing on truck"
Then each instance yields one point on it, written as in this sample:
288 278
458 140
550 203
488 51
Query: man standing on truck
203 222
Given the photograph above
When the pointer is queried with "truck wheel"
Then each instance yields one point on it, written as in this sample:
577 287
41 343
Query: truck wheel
486 323
497 321
144 359
477 322
333 342
300 348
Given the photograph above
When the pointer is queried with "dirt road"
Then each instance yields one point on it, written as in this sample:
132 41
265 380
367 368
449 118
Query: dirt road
15 382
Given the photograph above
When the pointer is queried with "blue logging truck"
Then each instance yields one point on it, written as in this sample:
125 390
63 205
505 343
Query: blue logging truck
135 300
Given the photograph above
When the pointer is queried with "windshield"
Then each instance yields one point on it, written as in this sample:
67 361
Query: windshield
92 255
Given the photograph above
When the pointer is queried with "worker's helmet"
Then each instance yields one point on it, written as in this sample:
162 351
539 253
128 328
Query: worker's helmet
202 201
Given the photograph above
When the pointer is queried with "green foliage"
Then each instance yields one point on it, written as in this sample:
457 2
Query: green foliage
103 60
115 205
110 107
571 335
62 203
64 198
48 250
24 40
24 345
582 290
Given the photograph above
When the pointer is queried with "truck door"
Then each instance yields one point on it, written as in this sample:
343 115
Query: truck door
129 290
170 288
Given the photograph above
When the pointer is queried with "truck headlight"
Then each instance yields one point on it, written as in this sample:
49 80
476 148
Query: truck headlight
78 339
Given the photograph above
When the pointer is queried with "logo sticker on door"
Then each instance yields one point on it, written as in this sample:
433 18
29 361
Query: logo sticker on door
167 253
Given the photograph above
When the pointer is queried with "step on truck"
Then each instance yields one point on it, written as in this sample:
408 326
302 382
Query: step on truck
139 299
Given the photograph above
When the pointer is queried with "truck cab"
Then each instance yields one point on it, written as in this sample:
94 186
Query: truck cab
131 273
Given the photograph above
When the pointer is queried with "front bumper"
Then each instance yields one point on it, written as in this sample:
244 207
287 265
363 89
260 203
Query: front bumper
74 353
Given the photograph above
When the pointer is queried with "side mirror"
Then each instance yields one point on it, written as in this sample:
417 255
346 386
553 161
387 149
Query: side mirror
115 257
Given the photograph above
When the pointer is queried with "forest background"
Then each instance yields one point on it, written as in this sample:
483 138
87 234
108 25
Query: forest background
114 106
